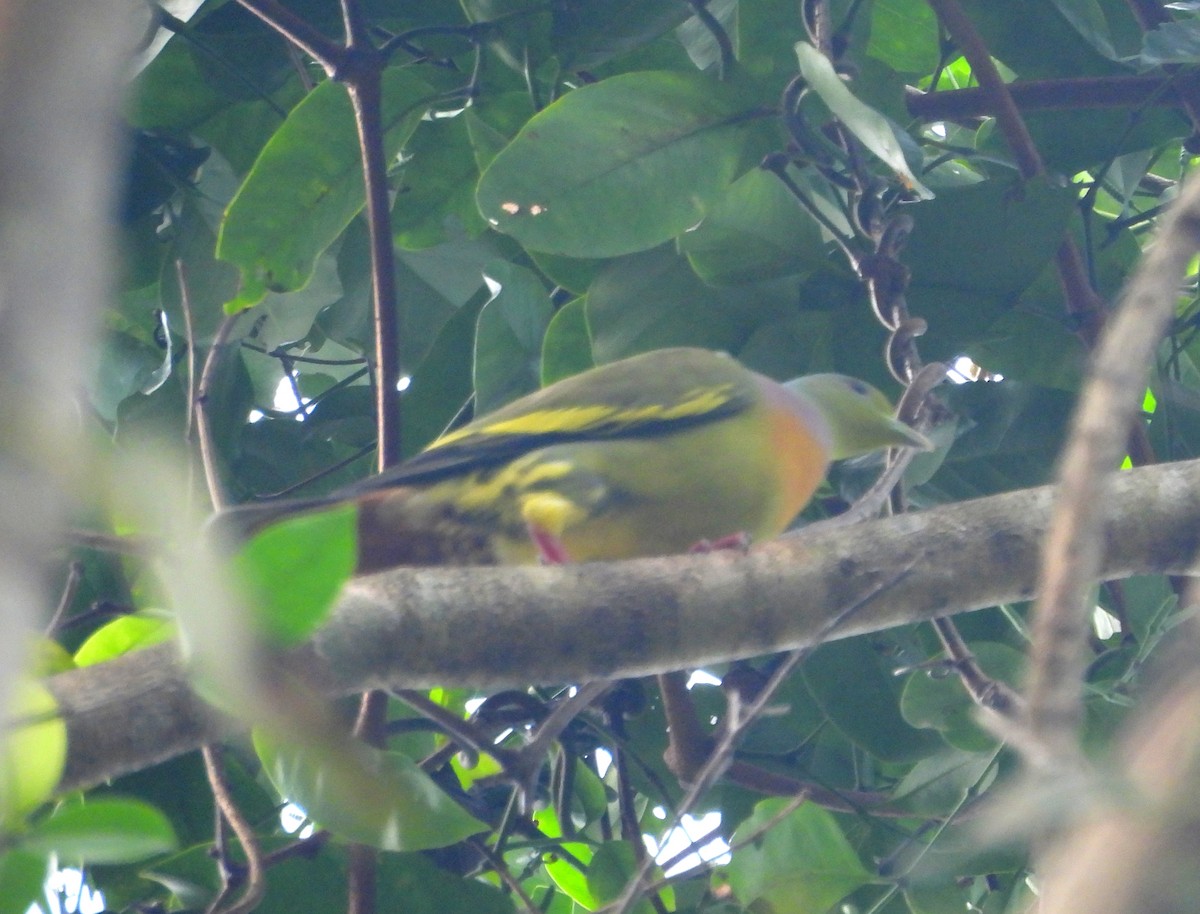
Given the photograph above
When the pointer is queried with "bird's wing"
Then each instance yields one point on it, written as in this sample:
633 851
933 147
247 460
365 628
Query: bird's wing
653 394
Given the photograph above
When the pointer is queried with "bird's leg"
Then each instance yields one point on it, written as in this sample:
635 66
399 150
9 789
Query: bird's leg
739 541
550 548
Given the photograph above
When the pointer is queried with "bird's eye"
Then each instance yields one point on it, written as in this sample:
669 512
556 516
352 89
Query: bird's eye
859 387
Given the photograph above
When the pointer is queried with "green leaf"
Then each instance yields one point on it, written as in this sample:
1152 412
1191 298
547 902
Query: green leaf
293 569
591 796
414 884
618 166
1011 435
32 753
872 128
179 789
1147 603
520 35
941 898
571 273
942 703
435 198
612 866
755 231
1087 18
308 184
508 336
566 873
123 635
494 121
129 364
904 35
107 830
443 383
1172 42
852 681
282 319
653 299
589 34
1029 347
974 250
23 877
383 799
1035 40
937 785
699 39
313 882
567 345
801 863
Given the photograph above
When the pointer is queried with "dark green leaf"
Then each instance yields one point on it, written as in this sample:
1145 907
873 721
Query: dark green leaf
307 185
973 251
612 866
508 338
940 701
413 884
1031 348
1034 39
939 784
651 300
1010 435
872 128
282 319
904 35
567 345
443 383
854 683
435 201
130 363
588 34
802 862
386 801
615 167
1172 42
22 879
755 231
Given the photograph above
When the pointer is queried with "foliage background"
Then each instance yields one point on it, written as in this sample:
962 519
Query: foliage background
571 183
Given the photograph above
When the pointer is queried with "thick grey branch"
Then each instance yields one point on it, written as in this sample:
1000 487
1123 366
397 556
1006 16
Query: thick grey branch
505 626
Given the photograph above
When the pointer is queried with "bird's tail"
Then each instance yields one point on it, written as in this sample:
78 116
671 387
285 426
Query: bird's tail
397 526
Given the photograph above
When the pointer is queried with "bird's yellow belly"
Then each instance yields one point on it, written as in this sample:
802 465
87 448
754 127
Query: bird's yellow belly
658 495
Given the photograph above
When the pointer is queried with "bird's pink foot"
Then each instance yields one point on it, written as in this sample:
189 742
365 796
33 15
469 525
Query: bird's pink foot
550 548
739 541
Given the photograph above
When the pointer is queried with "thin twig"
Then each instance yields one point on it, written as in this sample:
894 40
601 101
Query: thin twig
69 592
500 868
990 694
256 885
185 305
529 761
721 756
204 431
329 54
109 542
1008 117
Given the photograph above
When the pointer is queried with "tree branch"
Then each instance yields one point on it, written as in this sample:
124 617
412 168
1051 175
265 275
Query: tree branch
1076 541
503 626
1048 95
